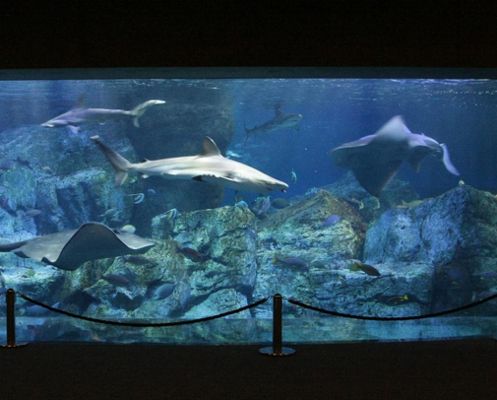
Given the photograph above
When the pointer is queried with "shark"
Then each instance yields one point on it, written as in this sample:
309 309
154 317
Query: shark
375 159
279 121
208 166
79 115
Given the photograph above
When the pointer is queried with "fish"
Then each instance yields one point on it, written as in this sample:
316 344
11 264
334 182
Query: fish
293 176
233 154
192 254
32 212
331 220
261 206
208 166
163 291
280 202
137 197
80 115
375 159
291 261
117 279
394 300
279 121
67 250
128 228
366 268
137 259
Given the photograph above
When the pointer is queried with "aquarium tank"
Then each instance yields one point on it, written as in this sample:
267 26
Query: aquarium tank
155 197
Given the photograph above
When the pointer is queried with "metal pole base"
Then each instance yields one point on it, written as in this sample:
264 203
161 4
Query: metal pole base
271 351
13 346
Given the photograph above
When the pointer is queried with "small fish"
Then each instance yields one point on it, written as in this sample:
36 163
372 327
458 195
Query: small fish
137 197
192 254
137 259
331 220
32 212
151 192
291 261
241 204
393 300
172 213
111 212
128 228
461 183
280 203
293 176
487 275
163 291
47 169
232 154
117 280
367 269
261 206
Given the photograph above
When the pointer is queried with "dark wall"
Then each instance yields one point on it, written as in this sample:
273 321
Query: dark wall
226 33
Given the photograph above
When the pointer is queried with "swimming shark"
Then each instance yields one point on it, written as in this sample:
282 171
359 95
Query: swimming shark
376 158
208 166
80 115
279 121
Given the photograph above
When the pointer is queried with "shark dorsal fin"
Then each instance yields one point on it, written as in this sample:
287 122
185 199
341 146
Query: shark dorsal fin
209 147
80 102
394 127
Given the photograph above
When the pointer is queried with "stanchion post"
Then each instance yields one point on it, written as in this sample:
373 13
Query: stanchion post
11 320
277 349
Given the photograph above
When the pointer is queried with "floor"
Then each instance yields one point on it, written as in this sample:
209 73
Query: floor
454 369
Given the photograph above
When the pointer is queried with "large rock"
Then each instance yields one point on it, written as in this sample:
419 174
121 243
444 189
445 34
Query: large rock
455 233
296 239
459 224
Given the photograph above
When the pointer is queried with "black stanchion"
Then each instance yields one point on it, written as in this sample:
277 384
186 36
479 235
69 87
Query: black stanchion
277 349
11 321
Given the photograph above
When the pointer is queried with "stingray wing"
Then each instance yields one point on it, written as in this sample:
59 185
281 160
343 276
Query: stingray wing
373 160
374 176
44 247
92 241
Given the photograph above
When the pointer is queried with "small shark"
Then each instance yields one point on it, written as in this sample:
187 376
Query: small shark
80 115
375 159
279 121
208 166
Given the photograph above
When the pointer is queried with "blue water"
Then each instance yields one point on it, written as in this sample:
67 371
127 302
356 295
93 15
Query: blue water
460 113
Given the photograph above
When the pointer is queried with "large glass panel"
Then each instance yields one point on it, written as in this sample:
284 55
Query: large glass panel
156 197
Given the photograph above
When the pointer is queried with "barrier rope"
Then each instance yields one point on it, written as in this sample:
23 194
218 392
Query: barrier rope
142 324
406 318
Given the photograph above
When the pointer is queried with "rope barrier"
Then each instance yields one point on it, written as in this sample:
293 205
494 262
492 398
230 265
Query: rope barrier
142 324
411 317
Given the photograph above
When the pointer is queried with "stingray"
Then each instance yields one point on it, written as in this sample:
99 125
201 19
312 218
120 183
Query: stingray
375 159
69 249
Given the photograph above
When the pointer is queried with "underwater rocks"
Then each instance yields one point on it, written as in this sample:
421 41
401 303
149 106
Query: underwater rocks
316 232
348 189
455 233
204 262
459 224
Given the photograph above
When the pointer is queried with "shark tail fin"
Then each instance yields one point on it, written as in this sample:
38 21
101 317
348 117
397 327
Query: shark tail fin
118 162
140 109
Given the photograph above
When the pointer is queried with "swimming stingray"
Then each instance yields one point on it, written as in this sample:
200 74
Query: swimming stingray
375 159
69 249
